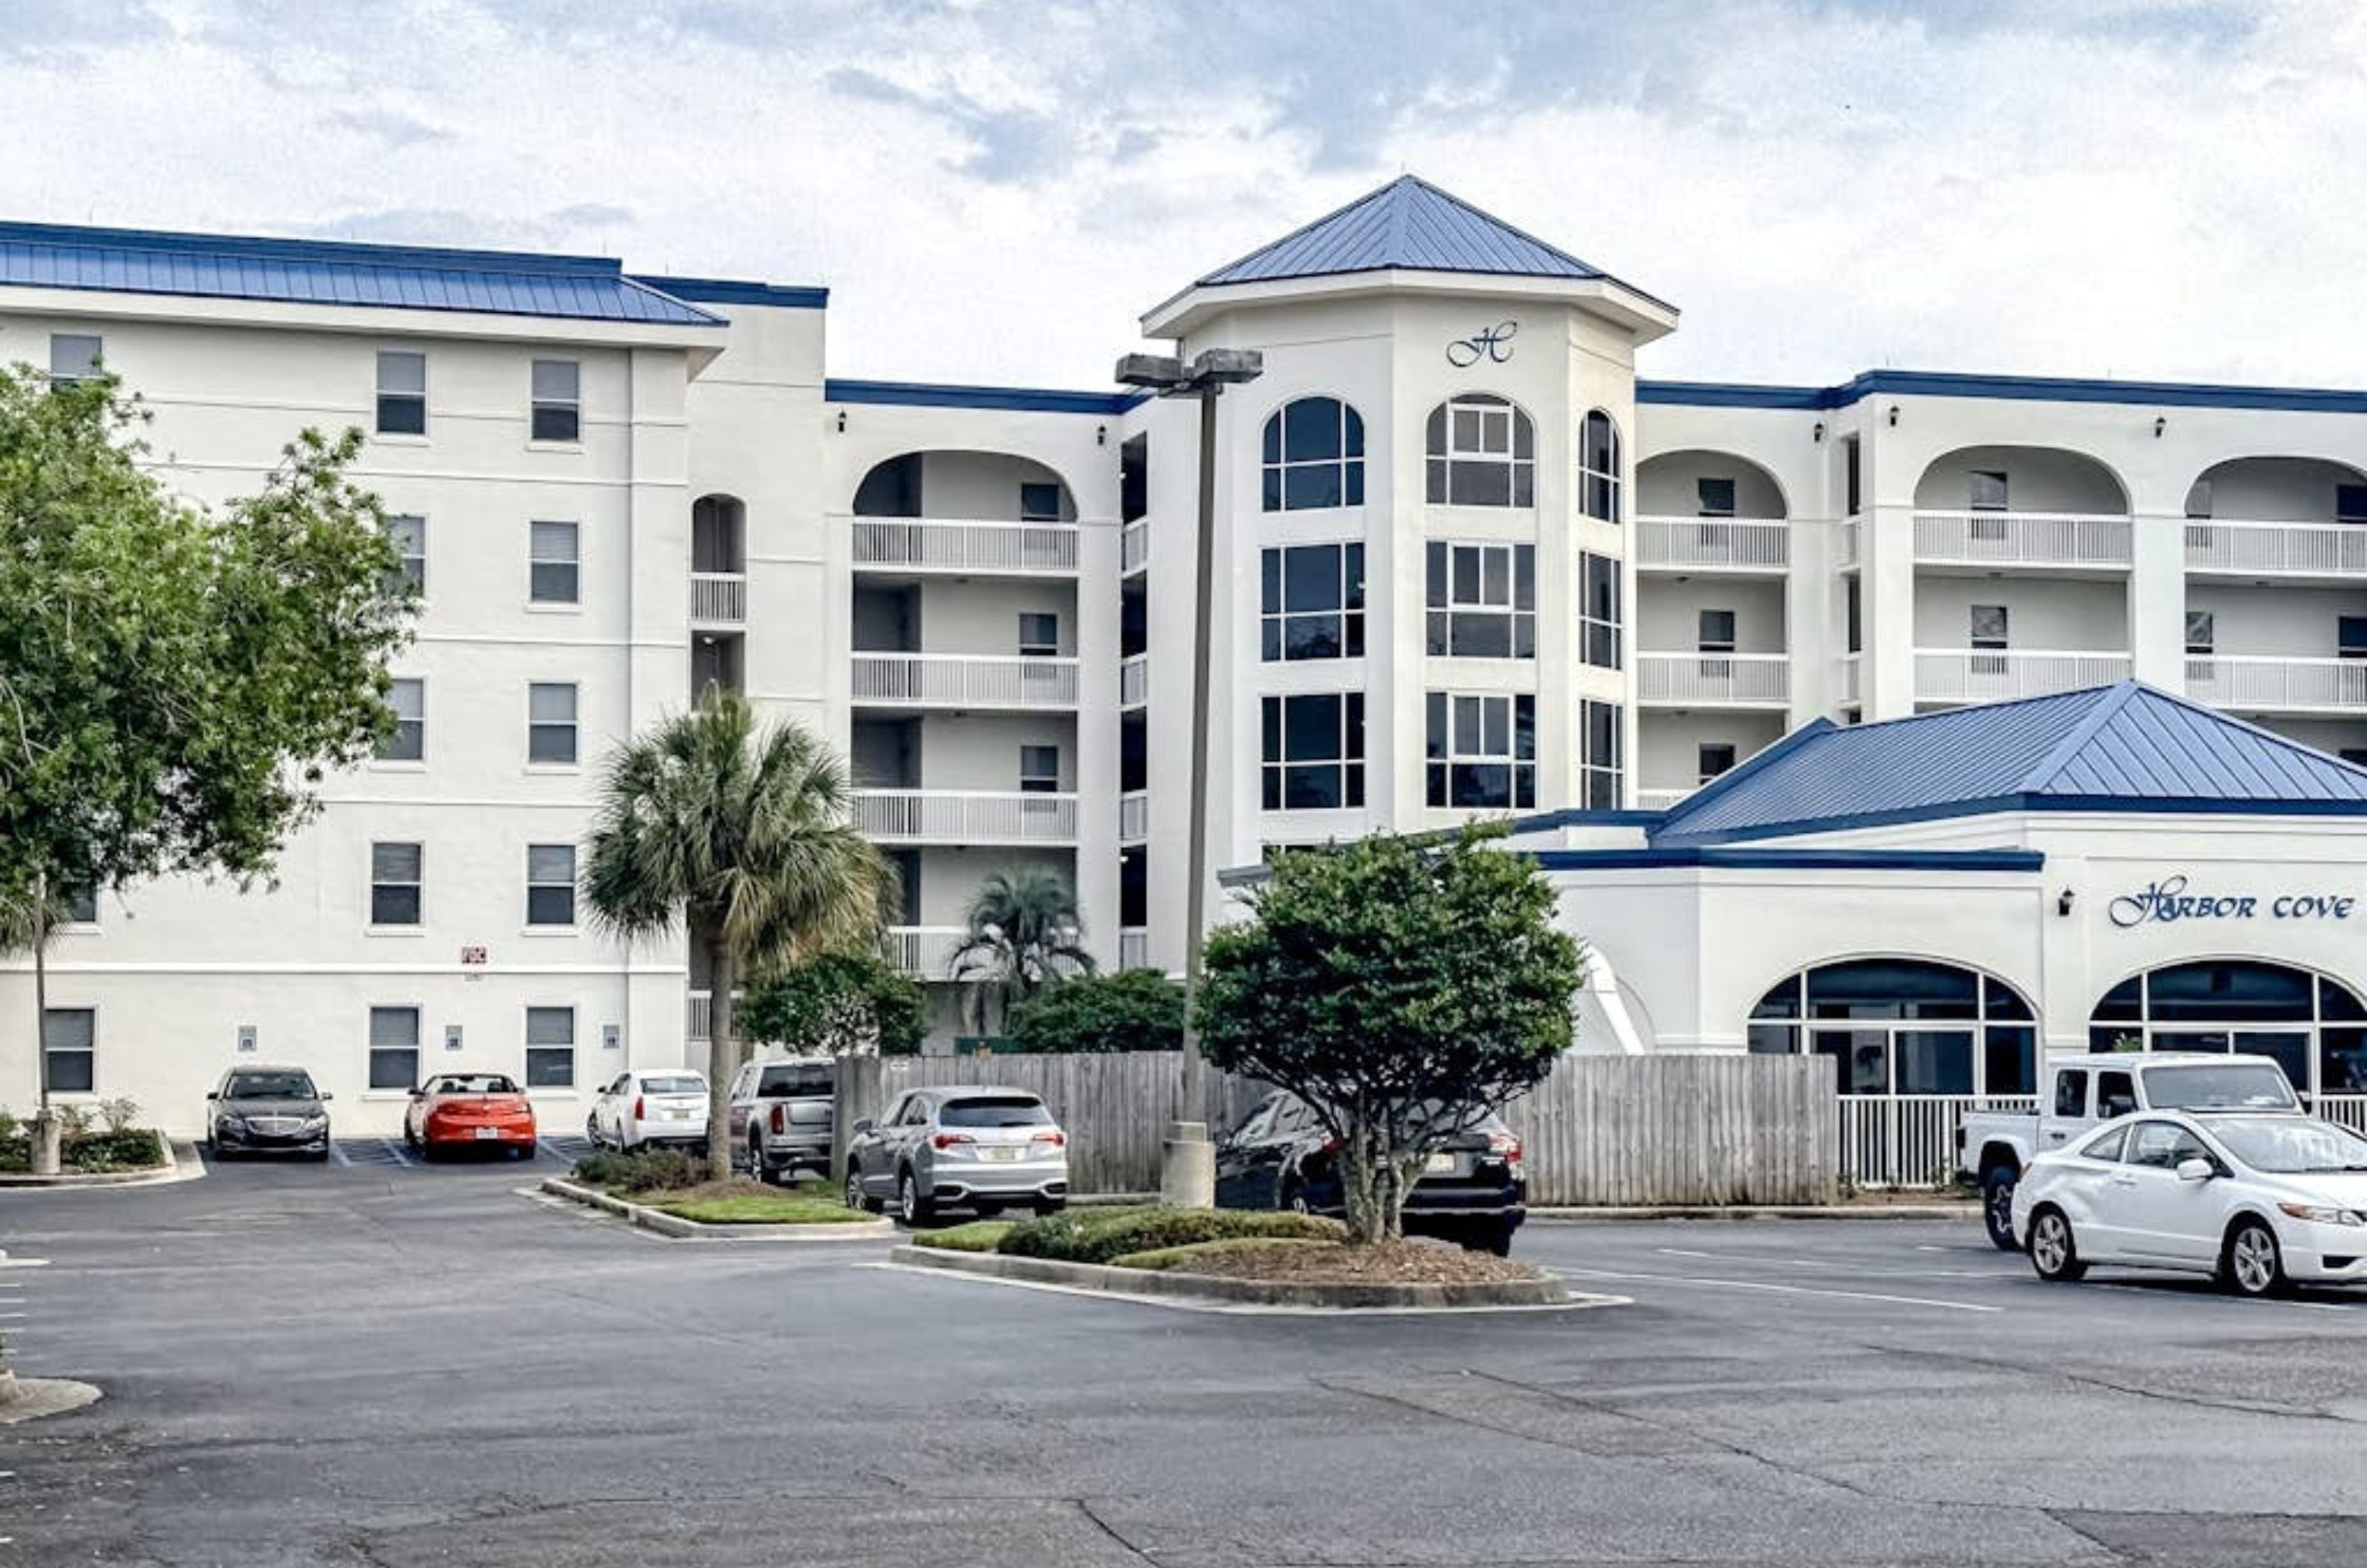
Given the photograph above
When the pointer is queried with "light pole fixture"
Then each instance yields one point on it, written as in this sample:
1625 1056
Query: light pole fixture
1205 377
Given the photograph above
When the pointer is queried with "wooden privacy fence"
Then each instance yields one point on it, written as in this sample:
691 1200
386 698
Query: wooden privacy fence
1599 1130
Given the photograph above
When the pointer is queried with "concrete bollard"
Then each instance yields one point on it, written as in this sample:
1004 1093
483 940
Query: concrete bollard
1187 1167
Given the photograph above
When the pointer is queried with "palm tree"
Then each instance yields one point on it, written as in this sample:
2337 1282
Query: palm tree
737 830
29 913
1025 933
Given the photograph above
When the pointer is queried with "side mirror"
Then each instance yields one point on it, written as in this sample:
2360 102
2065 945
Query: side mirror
861 1127
326 1097
2196 1170
419 1092
213 1094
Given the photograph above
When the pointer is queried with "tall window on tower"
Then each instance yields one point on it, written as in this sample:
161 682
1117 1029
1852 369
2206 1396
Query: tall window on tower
1481 451
1314 751
1482 750
1314 455
1598 611
1482 599
1600 490
1312 603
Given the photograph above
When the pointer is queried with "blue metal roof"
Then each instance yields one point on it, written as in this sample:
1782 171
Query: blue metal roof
1407 223
2026 389
736 291
323 272
2123 748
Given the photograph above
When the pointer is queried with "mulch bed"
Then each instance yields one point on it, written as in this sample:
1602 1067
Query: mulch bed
1389 1263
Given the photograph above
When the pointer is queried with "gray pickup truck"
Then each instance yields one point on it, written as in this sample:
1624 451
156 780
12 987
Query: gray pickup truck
781 1114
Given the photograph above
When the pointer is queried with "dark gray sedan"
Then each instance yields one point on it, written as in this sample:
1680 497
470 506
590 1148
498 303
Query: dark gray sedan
267 1111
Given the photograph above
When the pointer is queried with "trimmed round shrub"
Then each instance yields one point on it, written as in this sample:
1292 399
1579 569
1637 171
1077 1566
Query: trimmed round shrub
1089 1236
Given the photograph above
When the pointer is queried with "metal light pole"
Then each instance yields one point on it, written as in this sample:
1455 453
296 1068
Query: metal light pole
1205 378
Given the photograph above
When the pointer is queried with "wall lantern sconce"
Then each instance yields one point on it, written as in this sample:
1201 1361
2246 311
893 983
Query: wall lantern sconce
842 421
1817 434
2159 424
1893 416
2063 902
1101 436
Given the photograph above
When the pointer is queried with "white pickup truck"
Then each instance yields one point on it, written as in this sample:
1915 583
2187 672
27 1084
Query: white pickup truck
2077 1093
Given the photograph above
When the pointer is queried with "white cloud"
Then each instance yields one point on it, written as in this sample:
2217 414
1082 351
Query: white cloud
993 192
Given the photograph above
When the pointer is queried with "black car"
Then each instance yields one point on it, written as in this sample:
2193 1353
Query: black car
1282 1157
267 1111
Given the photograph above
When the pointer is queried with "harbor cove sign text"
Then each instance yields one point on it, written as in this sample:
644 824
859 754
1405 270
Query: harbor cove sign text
2170 901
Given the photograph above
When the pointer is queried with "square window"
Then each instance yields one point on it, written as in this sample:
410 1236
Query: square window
1039 503
394 1048
408 740
1313 751
1715 757
408 535
82 907
1986 490
550 723
2350 637
550 885
1715 496
555 566
1717 631
550 1047
1988 625
1039 769
401 394
70 1049
2199 631
1039 634
2350 503
1482 750
558 413
397 883
74 357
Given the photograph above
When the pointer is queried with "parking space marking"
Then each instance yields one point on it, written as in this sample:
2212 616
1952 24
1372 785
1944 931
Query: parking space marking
394 1151
338 1153
1831 1265
1699 1283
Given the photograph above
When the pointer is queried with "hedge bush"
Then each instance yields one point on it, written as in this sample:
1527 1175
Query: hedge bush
642 1170
91 1153
1103 1235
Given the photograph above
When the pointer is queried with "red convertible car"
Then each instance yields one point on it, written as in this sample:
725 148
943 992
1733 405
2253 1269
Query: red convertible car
477 1111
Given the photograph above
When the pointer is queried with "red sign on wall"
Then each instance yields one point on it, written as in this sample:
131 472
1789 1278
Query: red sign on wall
475 957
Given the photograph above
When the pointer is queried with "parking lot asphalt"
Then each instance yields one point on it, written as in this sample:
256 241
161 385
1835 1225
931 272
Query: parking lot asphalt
372 1363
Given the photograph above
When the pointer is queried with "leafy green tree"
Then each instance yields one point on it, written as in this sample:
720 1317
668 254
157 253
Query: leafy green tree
843 1004
174 682
1402 988
1024 932
1133 1009
737 831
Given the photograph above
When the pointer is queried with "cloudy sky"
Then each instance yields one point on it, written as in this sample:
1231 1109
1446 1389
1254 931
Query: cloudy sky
995 191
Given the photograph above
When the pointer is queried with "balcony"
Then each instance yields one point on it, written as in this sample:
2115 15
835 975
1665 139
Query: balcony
965 816
1713 544
971 547
719 599
1134 546
1659 799
925 953
1963 675
1845 544
1851 680
1134 681
962 680
698 1017
1133 816
1714 679
2335 551
2279 685
1988 539
1134 948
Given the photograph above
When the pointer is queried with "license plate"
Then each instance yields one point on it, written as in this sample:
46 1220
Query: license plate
675 1112
1003 1153
488 1132
1438 1165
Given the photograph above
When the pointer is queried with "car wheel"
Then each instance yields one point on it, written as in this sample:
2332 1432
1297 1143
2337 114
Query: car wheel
2053 1252
1997 1208
2252 1264
756 1171
854 1194
1294 1199
910 1207
591 1131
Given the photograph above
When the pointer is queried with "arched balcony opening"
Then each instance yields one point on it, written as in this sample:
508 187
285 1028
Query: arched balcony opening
1707 511
969 512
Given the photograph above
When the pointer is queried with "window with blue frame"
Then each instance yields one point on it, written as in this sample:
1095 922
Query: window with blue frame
1314 455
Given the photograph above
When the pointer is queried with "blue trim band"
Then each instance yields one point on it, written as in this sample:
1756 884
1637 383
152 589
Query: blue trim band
1713 858
2028 388
2100 804
733 291
1581 817
939 395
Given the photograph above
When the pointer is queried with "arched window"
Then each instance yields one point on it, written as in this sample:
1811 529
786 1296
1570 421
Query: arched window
719 534
1903 1026
1600 488
1483 451
1314 455
2316 1027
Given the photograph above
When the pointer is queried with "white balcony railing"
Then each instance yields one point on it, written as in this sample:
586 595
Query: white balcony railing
1133 816
1845 544
1757 678
2330 685
1961 675
1134 948
2021 538
1134 681
2277 550
719 599
966 817
1134 546
1852 678
1710 543
1659 799
963 680
698 1021
952 544
925 953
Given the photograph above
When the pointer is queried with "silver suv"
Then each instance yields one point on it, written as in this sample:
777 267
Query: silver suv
978 1148
780 1115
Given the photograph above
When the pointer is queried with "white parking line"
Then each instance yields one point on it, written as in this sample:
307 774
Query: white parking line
395 1149
1779 1290
1831 1265
338 1153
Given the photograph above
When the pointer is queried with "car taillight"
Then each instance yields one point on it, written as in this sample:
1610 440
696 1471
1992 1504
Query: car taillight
1058 1139
1330 1146
780 1119
1504 1146
641 1107
948 1140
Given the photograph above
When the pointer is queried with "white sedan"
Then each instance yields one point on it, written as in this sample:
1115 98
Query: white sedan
657 1105
2260 1201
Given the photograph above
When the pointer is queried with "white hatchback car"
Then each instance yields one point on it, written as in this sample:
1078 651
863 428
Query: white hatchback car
2259 1200
650 1106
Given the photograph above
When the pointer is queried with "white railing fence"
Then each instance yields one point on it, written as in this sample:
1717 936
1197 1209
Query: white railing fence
2247 683
1659 799
2334 549
1134 546
1846 544
1134 681
1909 1140
1133 816
1852 678
719 598
1134 948
925 953
2021 539
1959 675
966 817
1761 543
963 680
2349 1110
949 543
1713 677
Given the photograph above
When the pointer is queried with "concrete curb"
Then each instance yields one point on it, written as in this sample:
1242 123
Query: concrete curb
1759 1211
29 1398
1547 1291
174 1170
675 1226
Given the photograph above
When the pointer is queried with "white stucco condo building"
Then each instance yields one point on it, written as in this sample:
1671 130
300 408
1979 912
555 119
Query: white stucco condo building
1469 563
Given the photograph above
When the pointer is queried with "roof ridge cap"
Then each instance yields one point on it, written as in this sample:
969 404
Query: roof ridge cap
2058 755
